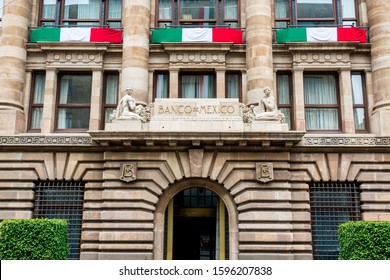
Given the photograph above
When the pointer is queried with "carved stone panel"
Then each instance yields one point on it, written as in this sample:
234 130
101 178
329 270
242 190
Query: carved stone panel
264 172
128 171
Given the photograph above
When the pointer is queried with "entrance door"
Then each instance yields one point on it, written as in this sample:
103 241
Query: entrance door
194 238
195 226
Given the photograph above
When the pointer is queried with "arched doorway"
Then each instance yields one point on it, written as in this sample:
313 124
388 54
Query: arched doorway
196 226
196 219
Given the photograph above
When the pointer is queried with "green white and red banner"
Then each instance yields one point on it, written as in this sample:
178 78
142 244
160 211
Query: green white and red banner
193 35
321 34
76 34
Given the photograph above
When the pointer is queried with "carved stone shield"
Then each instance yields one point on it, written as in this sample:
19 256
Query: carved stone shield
264 172
128 171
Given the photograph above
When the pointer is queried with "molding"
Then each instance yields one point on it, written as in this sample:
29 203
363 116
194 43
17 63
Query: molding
345 141
46 140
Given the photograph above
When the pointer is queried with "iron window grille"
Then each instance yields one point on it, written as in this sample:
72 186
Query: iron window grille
331 203
62 200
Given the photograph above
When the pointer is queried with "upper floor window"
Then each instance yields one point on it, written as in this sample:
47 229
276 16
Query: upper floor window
110 96
322 109
233 85
359 102
81 13
315 12
36 102
200 12
74 102
161 85
284 93
197 85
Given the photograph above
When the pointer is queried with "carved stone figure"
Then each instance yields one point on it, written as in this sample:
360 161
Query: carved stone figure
128 109
267 109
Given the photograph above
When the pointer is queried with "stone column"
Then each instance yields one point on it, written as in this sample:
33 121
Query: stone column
173 83
379 22
346 101
95 118
299 100
15 22
259 44
49 101
135 56
220 82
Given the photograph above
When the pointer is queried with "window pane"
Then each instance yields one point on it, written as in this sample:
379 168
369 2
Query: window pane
73 118
321 119
233 83
230 9
320 89
115 9
197 86
202 9
75 89
281 9
39 89
48 9
107 114
36 118
283 84
359 118
112 89
357 89
164 9
348 8
82 9
162 81
286 112
315 8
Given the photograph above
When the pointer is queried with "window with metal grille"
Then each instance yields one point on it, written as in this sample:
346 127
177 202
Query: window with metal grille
332 203
62 200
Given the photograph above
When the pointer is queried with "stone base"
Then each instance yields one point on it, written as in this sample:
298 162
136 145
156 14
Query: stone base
267 126
12 121
124 125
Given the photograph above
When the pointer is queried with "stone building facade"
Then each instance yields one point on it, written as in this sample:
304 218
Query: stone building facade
201 173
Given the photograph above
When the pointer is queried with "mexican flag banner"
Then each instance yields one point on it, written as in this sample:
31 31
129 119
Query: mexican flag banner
321 34
76 34
199 35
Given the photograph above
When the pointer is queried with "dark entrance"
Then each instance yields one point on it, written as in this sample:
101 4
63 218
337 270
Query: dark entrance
195 225
194 238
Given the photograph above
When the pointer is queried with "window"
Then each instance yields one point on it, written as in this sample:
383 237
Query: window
233 85
331 204
200 12
161 85
36 102
110 96
315 12
321 102
74 101
197 86
62 200
359 102
81 12
284 94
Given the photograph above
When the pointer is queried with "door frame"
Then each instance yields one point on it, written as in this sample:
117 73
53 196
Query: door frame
169 194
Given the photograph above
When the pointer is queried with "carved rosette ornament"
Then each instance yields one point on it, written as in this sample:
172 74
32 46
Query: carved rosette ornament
128 171
264 172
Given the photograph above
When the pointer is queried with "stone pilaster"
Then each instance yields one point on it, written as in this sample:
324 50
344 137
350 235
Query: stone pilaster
15 22
136 21
379 22
259 44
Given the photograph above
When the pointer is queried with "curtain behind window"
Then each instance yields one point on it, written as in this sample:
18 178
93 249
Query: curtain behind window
357 98
283 84
82 9
39 93
230 9
197 86
115 9
320 90
281 9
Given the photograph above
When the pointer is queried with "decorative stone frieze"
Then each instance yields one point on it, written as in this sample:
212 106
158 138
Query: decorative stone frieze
45 140
346 141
